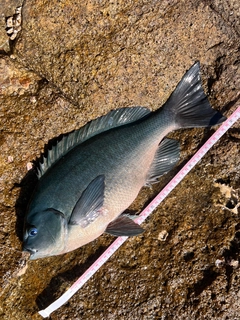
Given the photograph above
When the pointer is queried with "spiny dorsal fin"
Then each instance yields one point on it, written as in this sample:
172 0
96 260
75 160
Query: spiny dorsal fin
111 120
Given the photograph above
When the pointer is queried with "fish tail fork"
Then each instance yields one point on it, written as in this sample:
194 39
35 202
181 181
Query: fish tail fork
189 105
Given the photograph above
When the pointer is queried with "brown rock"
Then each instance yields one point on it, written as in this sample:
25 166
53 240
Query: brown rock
86 59
10 23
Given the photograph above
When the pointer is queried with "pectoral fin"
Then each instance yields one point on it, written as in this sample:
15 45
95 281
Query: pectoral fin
123 226
89 205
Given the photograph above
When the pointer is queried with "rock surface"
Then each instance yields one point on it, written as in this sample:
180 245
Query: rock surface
10 23
74 61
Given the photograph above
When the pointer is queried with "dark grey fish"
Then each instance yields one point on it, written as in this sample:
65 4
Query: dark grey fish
93 174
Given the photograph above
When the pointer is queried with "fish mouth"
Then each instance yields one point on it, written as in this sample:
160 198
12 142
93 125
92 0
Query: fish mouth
31 251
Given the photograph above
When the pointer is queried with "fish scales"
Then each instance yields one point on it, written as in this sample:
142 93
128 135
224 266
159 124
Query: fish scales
85 191
116 152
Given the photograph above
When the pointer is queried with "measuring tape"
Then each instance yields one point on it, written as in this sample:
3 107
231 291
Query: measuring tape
145 213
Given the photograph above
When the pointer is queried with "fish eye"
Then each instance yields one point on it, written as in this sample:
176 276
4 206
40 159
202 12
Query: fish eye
33 232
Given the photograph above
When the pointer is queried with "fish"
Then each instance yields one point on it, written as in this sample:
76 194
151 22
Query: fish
90 177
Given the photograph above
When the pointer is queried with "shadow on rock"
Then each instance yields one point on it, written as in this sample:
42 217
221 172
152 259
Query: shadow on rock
53 291
27 185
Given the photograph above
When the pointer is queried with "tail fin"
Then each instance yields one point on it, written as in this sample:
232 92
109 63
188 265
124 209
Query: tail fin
190 105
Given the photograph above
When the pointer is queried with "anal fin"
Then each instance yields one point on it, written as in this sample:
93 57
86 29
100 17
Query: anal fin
166 157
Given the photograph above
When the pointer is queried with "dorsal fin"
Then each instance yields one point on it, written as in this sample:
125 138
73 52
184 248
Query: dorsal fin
111 120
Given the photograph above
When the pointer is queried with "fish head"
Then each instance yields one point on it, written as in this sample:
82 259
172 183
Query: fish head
45 233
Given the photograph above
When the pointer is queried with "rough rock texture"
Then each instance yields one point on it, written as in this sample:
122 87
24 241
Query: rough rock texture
76 60
8 10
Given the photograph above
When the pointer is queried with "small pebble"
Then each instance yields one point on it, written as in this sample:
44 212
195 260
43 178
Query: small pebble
163 235
234 263
29 166
219 263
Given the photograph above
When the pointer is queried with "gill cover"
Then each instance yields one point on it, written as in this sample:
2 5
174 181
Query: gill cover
45 233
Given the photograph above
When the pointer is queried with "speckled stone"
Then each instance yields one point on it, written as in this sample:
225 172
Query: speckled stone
74 61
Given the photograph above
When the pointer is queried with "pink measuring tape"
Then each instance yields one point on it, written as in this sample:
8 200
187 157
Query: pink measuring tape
145 213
